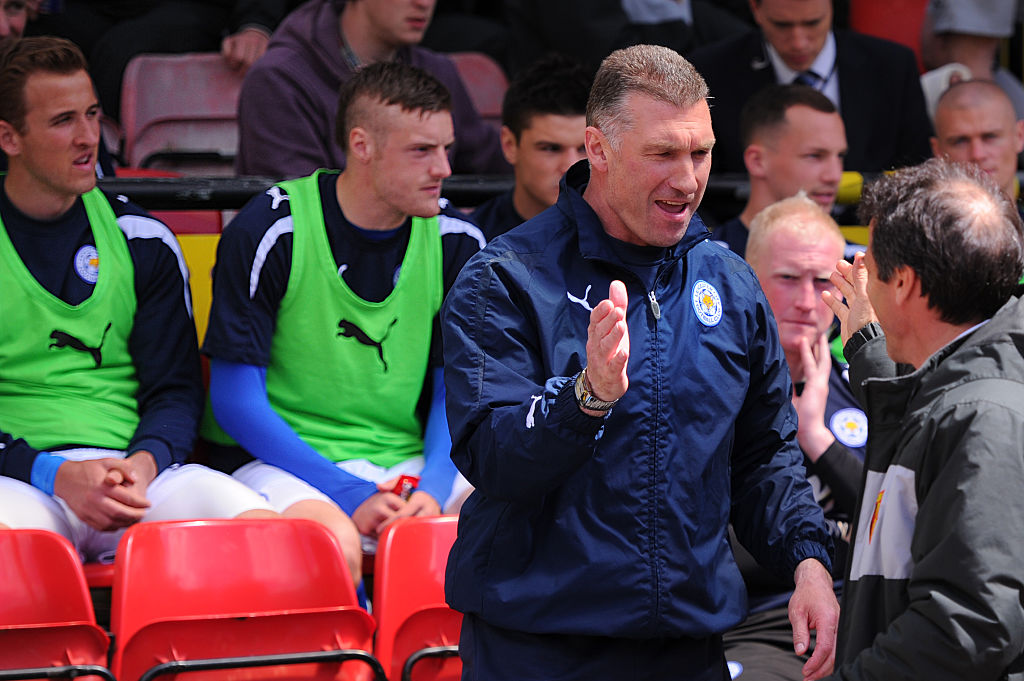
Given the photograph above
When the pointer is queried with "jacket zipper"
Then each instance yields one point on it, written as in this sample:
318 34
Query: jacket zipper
655 308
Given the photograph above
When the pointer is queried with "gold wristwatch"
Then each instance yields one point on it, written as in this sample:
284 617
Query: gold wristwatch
585 395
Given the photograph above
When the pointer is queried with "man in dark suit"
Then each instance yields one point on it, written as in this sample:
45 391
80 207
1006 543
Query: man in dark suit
874 83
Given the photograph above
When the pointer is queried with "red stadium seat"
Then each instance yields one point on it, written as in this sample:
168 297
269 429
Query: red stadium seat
267 599
485 81
47 628
178 112
417 633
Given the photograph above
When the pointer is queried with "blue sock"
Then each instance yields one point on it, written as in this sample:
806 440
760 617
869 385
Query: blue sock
361 595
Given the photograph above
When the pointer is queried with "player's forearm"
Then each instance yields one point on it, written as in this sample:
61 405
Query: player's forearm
240 404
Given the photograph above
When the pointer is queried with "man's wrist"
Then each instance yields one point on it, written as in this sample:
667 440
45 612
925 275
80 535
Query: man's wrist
860 338
815 440
144 462
810 568
158 448
587 400
44 471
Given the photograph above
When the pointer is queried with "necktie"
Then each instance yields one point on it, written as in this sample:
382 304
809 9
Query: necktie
808 78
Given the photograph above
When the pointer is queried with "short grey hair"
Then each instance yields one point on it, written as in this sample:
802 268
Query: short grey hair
650 70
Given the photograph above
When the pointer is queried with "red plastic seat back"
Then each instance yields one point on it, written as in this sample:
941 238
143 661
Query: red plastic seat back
46 616
409 597
184 106
226 588
485 81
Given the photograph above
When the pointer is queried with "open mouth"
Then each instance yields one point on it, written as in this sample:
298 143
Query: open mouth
674 207
83 161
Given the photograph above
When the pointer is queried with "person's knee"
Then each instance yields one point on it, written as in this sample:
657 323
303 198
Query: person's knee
258 514
339 524
194 491
24 506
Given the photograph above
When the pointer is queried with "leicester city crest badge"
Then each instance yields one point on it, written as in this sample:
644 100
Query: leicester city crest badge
707 304
850 426
87 264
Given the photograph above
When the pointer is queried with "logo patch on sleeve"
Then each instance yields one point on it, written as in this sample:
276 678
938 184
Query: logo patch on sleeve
87 264
707 304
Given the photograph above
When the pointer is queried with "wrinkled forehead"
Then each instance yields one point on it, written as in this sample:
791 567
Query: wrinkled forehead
805 234
992 113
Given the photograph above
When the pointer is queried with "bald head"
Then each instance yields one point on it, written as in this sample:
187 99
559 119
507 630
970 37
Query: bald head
975 123
968 93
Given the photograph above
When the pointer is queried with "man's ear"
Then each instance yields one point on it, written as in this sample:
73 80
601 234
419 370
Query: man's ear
906 285
935 147
360 144
755 11
10 139
754 159
598 148
509 145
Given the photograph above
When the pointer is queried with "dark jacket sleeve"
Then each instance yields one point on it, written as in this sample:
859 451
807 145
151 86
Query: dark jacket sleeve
842 471
166 356
516 434
16 458
867 356
915 127
774 513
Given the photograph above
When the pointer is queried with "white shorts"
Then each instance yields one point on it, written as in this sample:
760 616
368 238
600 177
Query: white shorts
180 492
282 489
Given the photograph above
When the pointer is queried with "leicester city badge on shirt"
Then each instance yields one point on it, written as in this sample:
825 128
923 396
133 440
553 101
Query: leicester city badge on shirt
87 264
850 426
707 304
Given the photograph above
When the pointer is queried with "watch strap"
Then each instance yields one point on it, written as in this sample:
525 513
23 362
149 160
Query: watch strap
585 395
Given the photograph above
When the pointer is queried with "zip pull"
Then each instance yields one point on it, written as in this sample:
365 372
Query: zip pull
655 308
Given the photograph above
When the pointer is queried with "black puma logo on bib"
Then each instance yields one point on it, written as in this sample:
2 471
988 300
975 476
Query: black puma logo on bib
350 330
62 339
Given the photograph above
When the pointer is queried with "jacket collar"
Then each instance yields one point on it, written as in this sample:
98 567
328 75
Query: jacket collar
945 367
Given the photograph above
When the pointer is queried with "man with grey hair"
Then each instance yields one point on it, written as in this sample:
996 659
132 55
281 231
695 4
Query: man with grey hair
611 440
933 588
